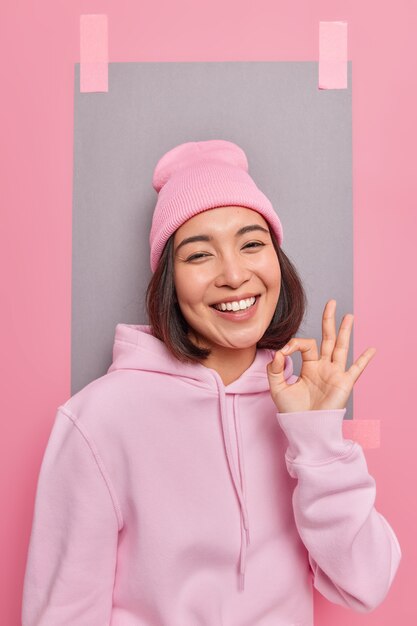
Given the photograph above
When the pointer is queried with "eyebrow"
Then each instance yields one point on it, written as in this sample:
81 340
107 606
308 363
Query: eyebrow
241 231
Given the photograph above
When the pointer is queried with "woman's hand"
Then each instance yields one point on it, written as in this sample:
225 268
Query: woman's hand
323 382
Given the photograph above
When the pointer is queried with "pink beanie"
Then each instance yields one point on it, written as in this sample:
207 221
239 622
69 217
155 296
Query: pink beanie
201 175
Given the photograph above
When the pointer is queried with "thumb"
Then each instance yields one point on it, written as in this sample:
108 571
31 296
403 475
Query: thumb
276 367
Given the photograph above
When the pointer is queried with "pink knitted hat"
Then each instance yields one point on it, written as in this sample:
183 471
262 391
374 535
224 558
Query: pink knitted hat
201 175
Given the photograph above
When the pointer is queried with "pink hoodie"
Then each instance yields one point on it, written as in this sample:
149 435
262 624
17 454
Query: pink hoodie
168 499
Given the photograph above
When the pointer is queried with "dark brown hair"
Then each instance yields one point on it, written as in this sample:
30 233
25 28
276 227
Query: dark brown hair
168 323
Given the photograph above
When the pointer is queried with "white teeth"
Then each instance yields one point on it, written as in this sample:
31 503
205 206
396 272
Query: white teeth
240 305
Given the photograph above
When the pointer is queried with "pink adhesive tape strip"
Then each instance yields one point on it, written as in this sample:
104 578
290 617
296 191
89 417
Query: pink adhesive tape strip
364 432
93 53
333 55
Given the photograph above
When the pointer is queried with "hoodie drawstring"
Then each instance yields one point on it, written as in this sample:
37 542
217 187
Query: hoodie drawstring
245 537
240 490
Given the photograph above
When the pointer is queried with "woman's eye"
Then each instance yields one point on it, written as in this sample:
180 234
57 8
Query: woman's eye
196 256
254 243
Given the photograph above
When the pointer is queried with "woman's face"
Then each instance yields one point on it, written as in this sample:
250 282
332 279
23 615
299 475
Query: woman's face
226 266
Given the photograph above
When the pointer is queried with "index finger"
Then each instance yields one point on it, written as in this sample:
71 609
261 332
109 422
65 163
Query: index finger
306 346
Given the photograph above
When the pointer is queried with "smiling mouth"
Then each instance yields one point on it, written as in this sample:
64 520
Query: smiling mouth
239 310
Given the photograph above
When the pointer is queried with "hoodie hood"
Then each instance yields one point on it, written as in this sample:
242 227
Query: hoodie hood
135 348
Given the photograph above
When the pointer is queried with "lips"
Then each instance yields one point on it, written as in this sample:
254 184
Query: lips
240 316
236 299
239 310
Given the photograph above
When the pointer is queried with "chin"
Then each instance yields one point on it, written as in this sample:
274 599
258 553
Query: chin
248 342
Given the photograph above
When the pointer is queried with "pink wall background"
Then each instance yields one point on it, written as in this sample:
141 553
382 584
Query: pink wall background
40 44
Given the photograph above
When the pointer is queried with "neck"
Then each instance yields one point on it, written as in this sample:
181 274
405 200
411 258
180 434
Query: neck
229 363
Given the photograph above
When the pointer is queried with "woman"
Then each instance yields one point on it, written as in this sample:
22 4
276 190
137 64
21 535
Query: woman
200 481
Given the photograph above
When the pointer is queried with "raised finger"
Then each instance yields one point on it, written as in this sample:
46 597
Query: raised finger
307 347
328 330
341 349
358 367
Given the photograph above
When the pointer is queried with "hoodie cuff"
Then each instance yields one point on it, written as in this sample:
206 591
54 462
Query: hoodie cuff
314 436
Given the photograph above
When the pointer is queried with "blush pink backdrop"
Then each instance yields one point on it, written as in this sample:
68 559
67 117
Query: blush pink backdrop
40 44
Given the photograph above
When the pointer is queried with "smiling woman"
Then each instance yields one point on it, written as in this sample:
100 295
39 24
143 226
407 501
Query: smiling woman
172 475
225 254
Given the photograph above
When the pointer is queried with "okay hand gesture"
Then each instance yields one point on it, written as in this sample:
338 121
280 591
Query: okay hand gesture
323 382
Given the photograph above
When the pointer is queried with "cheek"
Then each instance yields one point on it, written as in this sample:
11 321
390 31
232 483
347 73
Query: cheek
270 271
190 287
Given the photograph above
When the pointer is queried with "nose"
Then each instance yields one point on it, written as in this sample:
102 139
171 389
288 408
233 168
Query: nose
232 271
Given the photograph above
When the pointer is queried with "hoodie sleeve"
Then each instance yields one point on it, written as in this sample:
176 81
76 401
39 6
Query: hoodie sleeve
71 559
352 550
